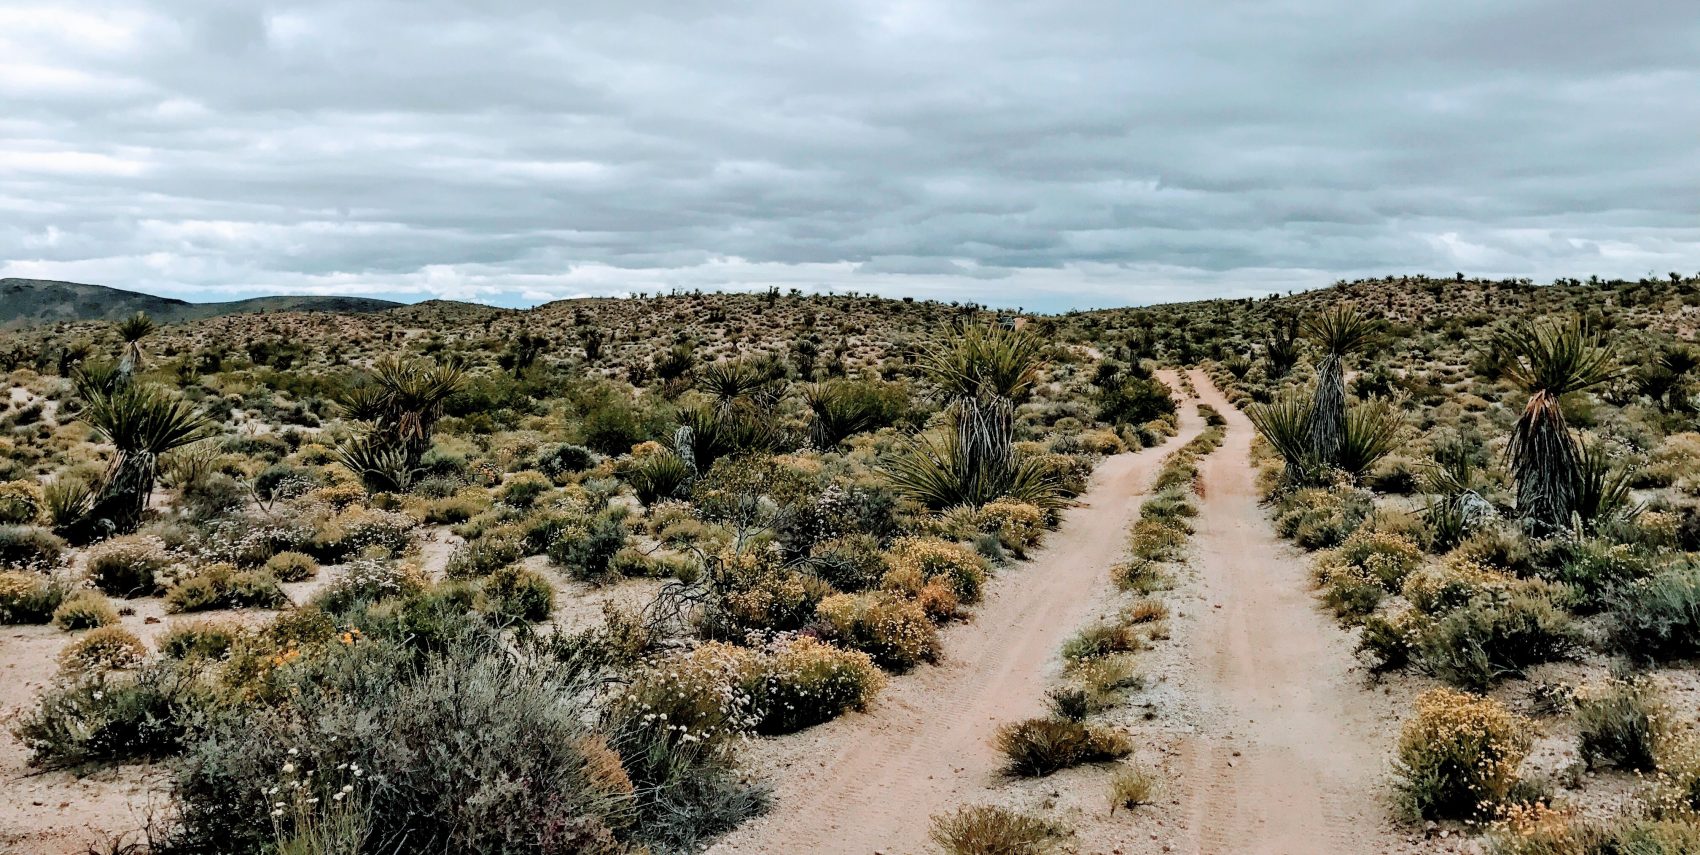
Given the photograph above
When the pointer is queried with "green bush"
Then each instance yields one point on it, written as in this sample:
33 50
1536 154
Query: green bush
204 639
474 749
367 581
30 597
1476 646
523 489
514 594
1623 722
1658 618
113 717
21 502
485 554
587 558
129 566
222 586
1316 518
28 546
853 562
894 631
84 610
292 566
1039 746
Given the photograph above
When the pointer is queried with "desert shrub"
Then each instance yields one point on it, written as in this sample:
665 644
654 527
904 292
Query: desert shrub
367 581
21 503
1658 618
128 566
1594 568
513 593
106 717
1387 642
523 489
471 749
853 562
108 648
1453 583
1156 539
987 830
356 529
1540 830
675 727
84 610
1018 525
804 682
1139 575
587 557
557 461
222 586
1458 756
1623 722
485 554
1132 787
1502 547
1039 746
895 632
930 558
763 599
1317 518
28 546
1099 640
1481 643
203 639
462 505
1383 555
30 597
292 566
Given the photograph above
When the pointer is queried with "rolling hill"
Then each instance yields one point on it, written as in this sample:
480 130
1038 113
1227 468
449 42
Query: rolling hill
29 302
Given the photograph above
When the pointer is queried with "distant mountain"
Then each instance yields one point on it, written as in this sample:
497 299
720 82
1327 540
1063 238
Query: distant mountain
29 302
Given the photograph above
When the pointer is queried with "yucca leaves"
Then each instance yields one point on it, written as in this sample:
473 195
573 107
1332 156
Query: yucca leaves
142 422
1285 424
1338 332
1550 360
986 361
403 400
1372 432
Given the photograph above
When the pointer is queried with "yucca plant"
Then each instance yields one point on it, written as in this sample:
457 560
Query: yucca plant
403 400
1281 349
939 476
1549 361
132 330
659 476
730 381
1372 432
984 373
840 410
1339 333
142 422
1602 489
714 433
1285 424
381 466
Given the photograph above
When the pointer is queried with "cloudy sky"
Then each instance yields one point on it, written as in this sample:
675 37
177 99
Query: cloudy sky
1046 155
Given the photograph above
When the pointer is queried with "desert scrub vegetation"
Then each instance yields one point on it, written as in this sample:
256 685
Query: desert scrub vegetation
446 479
988 830
1458 756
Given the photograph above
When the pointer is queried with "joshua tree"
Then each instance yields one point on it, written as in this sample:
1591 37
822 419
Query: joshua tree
1339 332
403 402
1549 361
1665 377
142 422
132 330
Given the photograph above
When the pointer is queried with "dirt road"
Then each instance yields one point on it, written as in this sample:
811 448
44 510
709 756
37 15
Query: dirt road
1289 752
869 783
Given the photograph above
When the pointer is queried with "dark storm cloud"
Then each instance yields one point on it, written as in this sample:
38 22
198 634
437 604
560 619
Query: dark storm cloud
1086 152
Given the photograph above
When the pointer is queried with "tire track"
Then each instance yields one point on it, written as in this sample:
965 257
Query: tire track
870 783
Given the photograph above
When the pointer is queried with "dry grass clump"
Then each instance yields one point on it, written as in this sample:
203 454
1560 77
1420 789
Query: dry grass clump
987 830
1040 746
1132 787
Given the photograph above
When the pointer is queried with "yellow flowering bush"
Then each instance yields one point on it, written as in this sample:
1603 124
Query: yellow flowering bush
1384 555
21 502
894 631
1018 525
337 496
804 681
1453 583
930 558
773 599
1458 756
